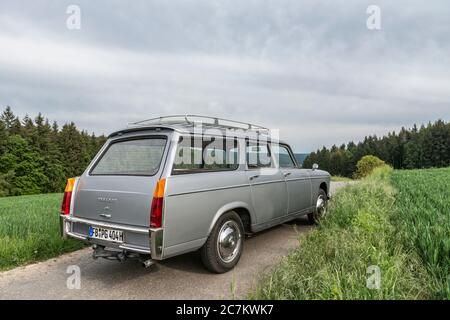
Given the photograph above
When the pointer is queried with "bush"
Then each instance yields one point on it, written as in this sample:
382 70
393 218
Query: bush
366 165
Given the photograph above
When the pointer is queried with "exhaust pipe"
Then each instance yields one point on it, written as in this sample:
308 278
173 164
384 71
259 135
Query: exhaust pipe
148 263
120 255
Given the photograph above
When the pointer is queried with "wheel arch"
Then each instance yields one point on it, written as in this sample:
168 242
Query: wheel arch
317 184
241 208
324 187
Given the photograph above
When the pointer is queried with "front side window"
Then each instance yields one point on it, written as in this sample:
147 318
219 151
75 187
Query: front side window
284 156
131 157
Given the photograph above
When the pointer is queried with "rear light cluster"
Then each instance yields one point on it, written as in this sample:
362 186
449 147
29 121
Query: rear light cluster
65 207
157 204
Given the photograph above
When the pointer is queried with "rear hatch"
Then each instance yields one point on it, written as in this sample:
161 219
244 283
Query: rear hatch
118 187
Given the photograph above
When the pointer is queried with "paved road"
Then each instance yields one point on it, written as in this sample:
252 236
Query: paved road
181 277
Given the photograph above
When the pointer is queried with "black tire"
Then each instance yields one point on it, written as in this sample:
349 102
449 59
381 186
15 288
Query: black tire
319 212
213 252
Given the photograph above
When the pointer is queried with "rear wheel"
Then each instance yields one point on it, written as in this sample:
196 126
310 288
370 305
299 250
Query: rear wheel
321 208
224 246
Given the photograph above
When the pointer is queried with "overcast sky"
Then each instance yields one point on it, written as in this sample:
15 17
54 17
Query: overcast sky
310 68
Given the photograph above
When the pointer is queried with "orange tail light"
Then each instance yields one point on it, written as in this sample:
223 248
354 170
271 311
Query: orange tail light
65 207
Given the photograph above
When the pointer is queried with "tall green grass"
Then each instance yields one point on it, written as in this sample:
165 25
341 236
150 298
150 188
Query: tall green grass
361 230
29 230
422 220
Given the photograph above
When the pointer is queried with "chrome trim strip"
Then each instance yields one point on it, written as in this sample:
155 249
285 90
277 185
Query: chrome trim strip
115 191
267 182
209 189
108 225
297 179
319 177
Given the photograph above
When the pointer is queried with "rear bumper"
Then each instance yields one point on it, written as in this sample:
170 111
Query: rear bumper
139 240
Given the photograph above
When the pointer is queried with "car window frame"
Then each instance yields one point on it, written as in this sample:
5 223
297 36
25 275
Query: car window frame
291 155
272 162
202 170
145 137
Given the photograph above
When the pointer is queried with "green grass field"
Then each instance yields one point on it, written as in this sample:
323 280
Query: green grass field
422 219
396 220
29 230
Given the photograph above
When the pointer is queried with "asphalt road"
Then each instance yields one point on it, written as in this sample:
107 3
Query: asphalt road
182 277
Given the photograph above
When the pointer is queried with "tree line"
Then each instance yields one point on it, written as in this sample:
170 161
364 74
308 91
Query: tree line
414 148
38 157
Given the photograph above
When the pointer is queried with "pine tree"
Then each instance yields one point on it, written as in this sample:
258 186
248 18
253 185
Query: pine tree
71 150
8 118
16 127
3 138
28 131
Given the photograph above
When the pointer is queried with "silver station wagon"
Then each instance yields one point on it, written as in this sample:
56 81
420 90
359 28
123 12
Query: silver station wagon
171 185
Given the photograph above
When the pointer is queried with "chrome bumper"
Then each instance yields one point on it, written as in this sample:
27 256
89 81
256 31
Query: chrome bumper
155 235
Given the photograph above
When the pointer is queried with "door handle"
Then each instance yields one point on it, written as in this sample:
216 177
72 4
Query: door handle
287 174
254 177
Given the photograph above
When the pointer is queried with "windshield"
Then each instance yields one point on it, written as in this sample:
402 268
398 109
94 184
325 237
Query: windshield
131 157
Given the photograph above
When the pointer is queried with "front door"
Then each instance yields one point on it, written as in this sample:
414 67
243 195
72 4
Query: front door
268 187
297 180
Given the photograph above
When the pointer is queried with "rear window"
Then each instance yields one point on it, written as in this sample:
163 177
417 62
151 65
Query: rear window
131 157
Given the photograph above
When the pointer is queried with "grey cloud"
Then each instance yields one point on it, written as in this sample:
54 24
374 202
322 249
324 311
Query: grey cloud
310 68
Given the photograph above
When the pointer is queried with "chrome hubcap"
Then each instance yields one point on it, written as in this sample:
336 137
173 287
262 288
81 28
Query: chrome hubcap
321 207
229 241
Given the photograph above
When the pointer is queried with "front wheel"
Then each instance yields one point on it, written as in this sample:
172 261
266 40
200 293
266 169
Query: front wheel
321 208
224 246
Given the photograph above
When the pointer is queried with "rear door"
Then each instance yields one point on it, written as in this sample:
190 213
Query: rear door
118 187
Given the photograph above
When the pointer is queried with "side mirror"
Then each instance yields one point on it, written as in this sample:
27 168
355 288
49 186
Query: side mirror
315 166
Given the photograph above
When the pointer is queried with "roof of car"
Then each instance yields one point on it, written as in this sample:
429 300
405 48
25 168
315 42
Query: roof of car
225 128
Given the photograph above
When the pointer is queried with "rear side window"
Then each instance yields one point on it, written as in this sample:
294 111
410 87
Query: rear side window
258 155
131 157
197 155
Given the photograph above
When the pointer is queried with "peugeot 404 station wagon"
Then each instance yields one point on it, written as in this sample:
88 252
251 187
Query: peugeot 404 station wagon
171 185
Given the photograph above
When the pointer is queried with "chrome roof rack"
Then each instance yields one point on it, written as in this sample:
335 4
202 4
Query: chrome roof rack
191 120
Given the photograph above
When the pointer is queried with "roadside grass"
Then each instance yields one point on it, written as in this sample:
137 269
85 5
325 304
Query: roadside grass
341 179
29 230
361 230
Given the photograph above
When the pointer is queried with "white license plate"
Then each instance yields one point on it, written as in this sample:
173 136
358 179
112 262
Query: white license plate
106 234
